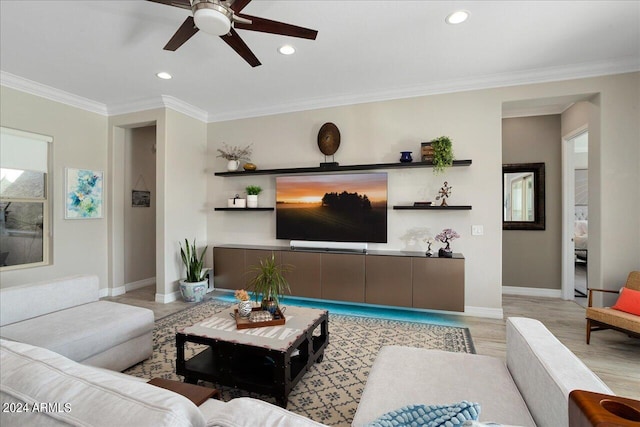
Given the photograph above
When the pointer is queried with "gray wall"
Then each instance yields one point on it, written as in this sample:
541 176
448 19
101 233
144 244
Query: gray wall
532 258
140 222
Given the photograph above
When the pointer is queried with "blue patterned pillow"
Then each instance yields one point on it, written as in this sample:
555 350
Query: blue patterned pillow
429 415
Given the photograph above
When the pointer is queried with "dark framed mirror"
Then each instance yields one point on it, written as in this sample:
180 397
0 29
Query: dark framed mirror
523 196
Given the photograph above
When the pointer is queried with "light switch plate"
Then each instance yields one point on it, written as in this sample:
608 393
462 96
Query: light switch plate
477 230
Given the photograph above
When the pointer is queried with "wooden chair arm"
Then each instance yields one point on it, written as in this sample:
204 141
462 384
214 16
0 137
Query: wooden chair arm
609 291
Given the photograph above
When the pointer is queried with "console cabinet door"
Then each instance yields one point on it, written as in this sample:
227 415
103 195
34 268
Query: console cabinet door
438 283
388 280
304 277
228 268
342 277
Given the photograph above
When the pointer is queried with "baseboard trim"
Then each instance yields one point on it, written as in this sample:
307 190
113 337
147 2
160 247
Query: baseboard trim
532 292
140 284
167 298
491 313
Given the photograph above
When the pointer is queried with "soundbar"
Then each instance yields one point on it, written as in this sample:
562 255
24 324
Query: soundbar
328 246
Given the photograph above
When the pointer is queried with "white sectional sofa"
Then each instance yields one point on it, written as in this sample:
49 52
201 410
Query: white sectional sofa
66 316
531 389
64 392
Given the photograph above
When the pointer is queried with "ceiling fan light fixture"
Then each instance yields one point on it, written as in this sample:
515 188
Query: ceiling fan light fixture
457 17
287 49
212 18
164 75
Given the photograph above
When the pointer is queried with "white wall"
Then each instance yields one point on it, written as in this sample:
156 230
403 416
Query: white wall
79 246
377 132
184 181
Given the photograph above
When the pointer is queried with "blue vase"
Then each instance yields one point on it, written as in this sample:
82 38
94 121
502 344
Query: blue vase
405 157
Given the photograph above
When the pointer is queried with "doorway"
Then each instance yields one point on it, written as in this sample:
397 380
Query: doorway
140 210
576 215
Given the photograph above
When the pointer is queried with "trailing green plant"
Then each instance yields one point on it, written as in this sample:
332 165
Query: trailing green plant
269 282
193 263
253 190
442 154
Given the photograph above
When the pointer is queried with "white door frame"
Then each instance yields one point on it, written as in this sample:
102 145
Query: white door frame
568 213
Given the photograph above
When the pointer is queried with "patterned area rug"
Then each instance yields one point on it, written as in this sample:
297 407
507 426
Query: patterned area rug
330 391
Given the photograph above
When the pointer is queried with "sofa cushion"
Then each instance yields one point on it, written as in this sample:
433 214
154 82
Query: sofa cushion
405 375
83 331
246 411
86 396
22 302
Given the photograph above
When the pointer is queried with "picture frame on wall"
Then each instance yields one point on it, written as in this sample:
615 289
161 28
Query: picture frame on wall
83 194
140 199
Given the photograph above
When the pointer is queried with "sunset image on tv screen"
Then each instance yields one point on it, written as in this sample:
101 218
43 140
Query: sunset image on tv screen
344 208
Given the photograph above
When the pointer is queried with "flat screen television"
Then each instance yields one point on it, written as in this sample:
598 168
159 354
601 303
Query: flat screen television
328 207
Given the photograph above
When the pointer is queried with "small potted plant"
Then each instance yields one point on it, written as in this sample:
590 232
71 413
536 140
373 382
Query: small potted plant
252 195
446 236
194 286
269 283
233 155
244 303
442 154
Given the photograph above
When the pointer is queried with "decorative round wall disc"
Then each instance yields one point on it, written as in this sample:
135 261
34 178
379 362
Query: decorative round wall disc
328 139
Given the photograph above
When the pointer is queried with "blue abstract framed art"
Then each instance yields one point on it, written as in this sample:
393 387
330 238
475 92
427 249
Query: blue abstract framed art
83 194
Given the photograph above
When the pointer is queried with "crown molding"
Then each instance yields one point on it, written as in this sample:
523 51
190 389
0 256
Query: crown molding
184 108
576 71
163 101
542 75
38 89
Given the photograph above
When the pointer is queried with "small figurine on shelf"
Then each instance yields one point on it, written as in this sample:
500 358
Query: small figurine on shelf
429 241
444 193
446 236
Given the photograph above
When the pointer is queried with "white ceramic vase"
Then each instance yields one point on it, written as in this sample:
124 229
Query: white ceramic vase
252 200
244 308
233 165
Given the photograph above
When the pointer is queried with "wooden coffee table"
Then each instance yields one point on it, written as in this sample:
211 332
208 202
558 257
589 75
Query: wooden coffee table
269 360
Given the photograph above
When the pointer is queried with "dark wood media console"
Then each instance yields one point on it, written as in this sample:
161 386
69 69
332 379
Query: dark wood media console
394 278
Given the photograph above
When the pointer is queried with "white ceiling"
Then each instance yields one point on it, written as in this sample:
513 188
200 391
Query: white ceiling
110 51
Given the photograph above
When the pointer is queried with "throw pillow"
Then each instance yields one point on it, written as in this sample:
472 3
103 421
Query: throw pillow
429 415
628 301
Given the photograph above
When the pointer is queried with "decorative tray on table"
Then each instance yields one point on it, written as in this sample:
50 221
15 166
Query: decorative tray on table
271 320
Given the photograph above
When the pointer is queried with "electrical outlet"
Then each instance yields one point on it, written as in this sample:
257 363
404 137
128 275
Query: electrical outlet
477 230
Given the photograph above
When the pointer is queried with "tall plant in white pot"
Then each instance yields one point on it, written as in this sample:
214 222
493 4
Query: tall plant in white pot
195 285
252 195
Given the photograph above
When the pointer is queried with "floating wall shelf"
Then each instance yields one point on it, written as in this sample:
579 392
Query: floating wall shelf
435 208
339 168
244 209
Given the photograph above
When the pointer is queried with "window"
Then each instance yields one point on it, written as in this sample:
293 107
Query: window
25 214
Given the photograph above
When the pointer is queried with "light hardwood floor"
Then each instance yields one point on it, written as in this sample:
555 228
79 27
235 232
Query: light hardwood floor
612 355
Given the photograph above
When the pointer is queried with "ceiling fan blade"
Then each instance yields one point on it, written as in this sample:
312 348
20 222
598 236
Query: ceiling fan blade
237 44
184 4
184 33
274 27
238 5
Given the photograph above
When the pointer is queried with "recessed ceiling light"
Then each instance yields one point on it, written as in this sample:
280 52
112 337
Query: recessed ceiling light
287 49
163 75
457 17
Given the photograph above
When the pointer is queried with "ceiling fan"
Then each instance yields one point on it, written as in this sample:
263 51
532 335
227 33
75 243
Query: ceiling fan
222 17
